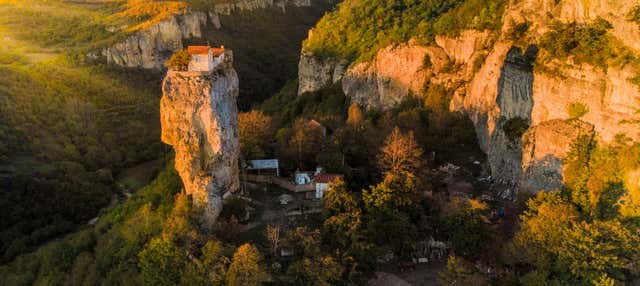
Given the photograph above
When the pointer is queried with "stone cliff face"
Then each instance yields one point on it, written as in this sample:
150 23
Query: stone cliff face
150 48
199 119
544 146
398 71
496 82
314 74
503 89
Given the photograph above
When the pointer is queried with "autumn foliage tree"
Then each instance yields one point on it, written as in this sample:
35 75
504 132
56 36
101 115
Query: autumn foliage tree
306 141
247 267
400 154
355 116
179 60
256 130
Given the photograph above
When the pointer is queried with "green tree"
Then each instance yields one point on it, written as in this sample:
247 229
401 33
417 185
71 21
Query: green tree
593 250
338 199
311 266
457 273
161 262
247 267
393 229
179 60
465 231
179 226
305 141
211 268
321 270
577 171
396 191
355 116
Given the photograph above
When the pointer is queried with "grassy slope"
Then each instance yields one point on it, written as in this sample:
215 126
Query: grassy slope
66 128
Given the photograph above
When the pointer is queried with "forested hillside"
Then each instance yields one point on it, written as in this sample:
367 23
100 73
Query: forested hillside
69 130
498 90
358 29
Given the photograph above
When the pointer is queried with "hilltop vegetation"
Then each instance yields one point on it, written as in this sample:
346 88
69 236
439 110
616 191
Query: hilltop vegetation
586 43
358 29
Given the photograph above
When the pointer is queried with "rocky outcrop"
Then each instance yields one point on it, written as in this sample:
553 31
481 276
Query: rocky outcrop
501 90
610 97
544 147
314 74
150 48
250 5
398 71
386 81
198 114
495 82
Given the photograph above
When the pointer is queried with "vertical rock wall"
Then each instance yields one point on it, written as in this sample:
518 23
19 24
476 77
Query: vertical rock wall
199 119
505 86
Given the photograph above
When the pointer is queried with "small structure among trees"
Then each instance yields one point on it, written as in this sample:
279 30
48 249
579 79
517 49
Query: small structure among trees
265 167
322 182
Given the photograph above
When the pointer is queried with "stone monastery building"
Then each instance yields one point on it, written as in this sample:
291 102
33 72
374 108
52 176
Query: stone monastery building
205 58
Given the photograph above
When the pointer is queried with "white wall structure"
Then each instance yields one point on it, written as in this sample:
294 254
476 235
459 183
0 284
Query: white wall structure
205 58
302 178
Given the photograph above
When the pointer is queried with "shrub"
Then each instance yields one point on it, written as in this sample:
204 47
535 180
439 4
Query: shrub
179 60
577 110
426 62
635 80
634 14
517 31
585 43
515 127
479 62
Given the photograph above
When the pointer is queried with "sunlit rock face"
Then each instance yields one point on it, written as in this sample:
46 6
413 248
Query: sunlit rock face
386 80
544 147
495 81
501 90
198 114
315 74
151 47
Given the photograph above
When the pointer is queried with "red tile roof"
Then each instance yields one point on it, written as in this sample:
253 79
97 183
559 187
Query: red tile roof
198 50
201 50
313 122
217 51
327 178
